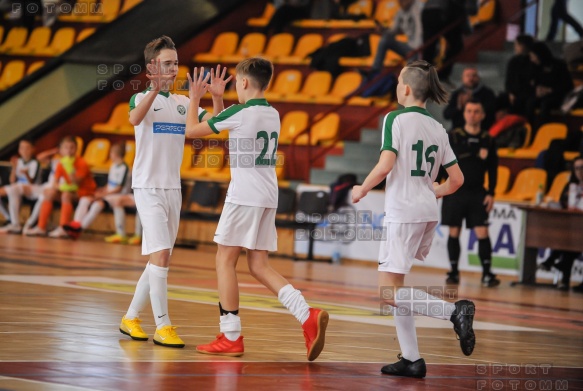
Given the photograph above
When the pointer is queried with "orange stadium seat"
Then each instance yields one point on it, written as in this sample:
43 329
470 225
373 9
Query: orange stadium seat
546 133
502 181
251 45
386 11
85 33
223 45
525 185
279 45
97 152
34 67
38 40
485 13
207 162
316 84
287 82
307 44
292 124
362 8
345 84
12 73
181 82
130 152
1 33
128 5
15 39
264 19
322 131
106 11
559 183
118 122
62 41
81 9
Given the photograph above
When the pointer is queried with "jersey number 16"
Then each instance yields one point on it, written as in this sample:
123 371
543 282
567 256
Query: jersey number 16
418 147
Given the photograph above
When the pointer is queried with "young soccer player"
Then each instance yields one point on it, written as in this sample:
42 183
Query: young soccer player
23 177
72 180
414 146
118 185
159 118
248 217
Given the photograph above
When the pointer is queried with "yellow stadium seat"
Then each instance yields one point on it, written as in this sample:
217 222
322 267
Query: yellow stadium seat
1 33
280 165
118 122
181 82
485 13
279 45
251 45
207 162
12 73
97 152
502 181
525 185
223 45
292 124
15 39
130 152
307 44
322 131
79 142
317 84
386 11
105 12
559 183
62 41
345 84
81 9
335 38
85 33
38 40
128 5
34 67
546 133
264 19
361 7
287 82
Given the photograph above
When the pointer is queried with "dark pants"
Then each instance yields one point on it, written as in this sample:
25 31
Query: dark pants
559 12
283 16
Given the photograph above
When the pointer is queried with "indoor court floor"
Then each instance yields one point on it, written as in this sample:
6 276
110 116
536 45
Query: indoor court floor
62 301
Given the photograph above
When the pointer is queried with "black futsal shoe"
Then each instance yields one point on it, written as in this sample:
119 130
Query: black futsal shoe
407 368
462 319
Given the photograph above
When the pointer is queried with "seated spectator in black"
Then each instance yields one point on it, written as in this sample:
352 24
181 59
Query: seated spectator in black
559 12
518 87
471 88
436 16
567 258
407 21
286 11
551 82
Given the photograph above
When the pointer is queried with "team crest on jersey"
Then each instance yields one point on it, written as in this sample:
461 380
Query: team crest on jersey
181 109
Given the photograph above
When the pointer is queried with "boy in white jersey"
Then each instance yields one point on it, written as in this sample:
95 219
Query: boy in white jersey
414 146
248 217
24 174
118 185
159 119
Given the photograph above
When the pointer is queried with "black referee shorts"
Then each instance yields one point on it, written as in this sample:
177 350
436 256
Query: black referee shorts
468 205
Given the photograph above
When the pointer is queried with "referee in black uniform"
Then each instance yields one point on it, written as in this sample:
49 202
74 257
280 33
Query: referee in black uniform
476 154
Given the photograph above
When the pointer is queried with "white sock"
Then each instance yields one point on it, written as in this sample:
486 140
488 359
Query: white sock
33 218
138 228
119 218
231 326
422 303
90 217
406 334
82 208
14 194
159 295
294 301
141 295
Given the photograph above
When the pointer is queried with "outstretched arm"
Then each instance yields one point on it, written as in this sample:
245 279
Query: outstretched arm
197 88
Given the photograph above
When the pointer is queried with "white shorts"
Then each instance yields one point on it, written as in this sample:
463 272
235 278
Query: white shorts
35 190
251 227
405 242
159 211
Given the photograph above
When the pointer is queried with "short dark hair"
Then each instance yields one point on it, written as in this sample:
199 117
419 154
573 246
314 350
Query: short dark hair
474 101
422 77
26 140
525 40
68 139
119 149
258 69
154 47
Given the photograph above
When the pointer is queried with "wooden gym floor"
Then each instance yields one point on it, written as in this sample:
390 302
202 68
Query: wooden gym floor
61 303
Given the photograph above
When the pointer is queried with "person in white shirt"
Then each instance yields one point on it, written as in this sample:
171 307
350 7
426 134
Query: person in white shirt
159 118
414 146
248 217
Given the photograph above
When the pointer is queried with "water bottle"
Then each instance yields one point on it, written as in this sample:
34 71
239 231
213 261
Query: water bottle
572 202
539 195
336 254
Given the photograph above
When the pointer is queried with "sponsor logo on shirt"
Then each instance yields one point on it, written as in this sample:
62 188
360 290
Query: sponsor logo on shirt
181 109
169 128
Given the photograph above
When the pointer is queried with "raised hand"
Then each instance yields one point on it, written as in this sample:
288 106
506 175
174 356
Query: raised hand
218 83
154 74
198 85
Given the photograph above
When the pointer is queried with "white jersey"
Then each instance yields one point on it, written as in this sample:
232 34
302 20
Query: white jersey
119 176
31 167
422 147
160 141
253 135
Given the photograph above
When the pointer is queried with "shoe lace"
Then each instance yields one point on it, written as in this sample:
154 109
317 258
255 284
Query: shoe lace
171 331
134 322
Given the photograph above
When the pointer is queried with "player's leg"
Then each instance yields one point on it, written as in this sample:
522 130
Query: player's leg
453 250
37 192
477 219
14 193
82 208
452 215
46 208
67 199
3 211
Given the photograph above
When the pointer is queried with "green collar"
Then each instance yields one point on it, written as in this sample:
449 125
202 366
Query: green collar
417 109
165 94
257 102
